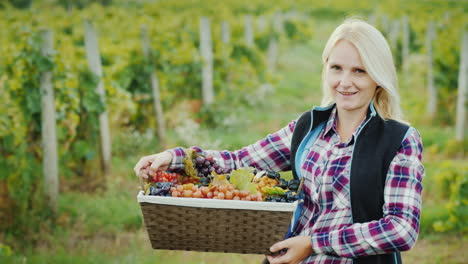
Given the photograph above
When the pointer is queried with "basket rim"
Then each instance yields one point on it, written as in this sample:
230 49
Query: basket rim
215 203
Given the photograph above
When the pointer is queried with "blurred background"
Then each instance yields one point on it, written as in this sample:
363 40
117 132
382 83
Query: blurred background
89 87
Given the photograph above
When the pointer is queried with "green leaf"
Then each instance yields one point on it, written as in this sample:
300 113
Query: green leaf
189 168
242 179
273 191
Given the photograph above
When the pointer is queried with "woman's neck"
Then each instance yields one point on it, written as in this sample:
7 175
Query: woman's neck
348 122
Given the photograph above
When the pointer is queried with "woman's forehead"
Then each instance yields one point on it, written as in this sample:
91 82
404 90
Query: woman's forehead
344 52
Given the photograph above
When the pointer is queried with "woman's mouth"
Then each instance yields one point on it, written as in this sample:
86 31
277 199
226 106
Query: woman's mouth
347 93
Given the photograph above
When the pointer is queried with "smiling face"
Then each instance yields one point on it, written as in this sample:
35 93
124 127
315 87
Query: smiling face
350 84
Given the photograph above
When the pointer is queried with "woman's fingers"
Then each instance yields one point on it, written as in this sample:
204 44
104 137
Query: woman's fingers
280 245
141 165
150 164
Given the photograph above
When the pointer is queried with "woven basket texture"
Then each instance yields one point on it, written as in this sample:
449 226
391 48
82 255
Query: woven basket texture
212 229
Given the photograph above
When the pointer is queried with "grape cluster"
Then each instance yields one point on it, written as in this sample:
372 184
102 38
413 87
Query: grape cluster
288 197
222 192
161 189
293 185
163 176
205 166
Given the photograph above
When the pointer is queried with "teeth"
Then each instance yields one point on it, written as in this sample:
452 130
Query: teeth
346 93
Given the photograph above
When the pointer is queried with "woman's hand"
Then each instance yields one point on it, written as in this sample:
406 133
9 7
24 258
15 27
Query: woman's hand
149 164
298 248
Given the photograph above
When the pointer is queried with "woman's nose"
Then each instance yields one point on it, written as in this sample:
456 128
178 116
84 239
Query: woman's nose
346 80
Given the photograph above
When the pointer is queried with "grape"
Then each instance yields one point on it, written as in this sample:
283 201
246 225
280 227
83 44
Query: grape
273 174
215 165
204 181
200 160
209 157
207 163
283 184
222 188
293 185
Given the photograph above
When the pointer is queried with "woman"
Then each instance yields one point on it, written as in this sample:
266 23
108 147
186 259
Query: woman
360 162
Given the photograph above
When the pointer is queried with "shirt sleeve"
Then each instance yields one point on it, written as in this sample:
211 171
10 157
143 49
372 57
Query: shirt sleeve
270 153
398 229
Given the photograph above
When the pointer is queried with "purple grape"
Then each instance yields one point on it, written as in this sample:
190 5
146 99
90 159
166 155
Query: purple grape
200 160
211 169
207 163
220 170
215 165
205 170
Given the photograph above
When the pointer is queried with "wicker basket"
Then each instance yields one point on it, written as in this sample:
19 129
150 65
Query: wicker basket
214 225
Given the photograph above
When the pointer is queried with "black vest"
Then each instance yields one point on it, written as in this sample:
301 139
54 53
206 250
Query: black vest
374 149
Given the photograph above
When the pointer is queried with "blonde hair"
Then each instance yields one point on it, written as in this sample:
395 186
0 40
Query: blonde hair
377 58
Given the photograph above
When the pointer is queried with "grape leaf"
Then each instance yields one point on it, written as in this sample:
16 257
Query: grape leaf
273 191
242 179
218 179
146 188
189 167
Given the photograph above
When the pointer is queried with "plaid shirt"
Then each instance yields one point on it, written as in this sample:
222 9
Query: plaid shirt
326 215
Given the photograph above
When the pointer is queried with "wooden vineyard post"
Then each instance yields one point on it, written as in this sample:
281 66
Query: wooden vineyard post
225 34
155 88
431 106
406 43
278 24
272 54
372 19
48 128
248 31
94 63
385 24
462 88
207 58
393 35
225 39
262 23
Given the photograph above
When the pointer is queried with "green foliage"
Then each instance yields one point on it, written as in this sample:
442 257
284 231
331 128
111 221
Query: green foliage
20 132
431 215
21 3
5 250
450 21
109 212
453 181
80 4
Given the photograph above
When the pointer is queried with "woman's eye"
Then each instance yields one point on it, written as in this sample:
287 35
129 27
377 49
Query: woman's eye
360 71
335 67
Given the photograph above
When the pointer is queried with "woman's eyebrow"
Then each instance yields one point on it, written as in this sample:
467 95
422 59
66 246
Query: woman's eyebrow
332 63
